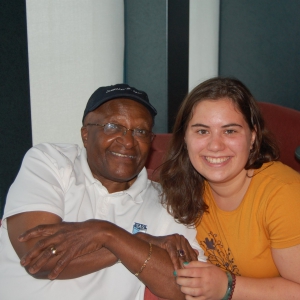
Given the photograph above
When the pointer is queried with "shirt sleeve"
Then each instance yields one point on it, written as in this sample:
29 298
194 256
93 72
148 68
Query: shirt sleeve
282 216
40 184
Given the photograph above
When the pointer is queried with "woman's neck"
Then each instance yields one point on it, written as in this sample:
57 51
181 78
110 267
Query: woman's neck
228 196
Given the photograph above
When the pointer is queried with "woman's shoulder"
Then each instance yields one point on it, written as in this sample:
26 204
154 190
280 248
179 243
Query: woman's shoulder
274 192
276 181
277 172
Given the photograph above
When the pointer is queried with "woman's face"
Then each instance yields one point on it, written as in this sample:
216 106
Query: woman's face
218 141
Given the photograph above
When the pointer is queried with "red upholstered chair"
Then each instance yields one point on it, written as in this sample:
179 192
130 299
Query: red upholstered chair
158 149
284 123
149 295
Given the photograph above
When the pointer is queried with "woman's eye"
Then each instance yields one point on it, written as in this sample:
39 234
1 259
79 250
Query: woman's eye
230 131
202 131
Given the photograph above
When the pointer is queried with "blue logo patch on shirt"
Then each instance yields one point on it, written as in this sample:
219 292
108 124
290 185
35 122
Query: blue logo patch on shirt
137 227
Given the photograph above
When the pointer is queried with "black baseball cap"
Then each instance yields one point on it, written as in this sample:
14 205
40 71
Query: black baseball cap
121 90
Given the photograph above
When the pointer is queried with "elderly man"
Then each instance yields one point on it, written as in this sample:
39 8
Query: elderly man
97 199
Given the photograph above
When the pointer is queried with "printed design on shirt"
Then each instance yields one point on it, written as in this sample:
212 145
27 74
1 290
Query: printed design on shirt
217 254
137 227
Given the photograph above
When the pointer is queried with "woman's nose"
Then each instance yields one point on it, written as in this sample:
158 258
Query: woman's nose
216 143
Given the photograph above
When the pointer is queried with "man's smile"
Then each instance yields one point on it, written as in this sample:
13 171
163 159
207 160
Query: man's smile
123 155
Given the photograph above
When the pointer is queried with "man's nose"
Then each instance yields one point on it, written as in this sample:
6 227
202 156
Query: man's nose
127 138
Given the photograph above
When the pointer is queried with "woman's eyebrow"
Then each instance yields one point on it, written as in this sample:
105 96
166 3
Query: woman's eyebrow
224 126
199 125
232 125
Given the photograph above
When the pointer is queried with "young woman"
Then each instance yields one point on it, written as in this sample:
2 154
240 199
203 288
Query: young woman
222 175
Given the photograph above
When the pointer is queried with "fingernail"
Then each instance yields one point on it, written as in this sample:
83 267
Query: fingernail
186 263
22 261
175 273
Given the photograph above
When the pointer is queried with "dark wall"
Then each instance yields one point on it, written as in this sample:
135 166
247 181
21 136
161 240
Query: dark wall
156 54
178 56
15 120
146 53
260 45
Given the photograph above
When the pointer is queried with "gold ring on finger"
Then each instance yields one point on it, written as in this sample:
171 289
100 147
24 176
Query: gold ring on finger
53 250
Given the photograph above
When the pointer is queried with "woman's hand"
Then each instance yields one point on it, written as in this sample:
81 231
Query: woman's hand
67 240
200 280
172 244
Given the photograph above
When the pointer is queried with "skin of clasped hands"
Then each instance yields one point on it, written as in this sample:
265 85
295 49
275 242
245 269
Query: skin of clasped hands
202 281
74 239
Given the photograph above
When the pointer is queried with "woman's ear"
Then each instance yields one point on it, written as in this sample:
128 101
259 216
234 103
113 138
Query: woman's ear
184 143
84 135
253 137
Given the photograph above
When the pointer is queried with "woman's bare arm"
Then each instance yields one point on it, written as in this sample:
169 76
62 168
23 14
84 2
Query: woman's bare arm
198 280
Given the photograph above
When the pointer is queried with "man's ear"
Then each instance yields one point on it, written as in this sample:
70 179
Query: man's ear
84 135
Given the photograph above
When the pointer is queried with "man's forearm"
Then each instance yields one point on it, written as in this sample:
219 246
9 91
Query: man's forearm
79 252
133 252
79 266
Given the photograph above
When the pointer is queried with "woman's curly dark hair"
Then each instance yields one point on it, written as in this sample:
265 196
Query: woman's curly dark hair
183 187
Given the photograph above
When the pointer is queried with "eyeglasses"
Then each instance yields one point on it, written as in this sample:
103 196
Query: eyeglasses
118 130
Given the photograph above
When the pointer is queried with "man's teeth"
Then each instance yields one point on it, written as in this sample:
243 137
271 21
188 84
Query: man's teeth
122 155
217 160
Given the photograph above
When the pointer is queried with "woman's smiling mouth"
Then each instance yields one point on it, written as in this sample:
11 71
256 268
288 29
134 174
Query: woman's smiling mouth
216 160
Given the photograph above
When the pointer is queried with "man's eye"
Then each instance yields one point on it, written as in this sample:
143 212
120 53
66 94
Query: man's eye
112 126
140 132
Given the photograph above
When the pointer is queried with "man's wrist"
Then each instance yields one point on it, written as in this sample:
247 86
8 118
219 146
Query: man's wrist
107 232
143 236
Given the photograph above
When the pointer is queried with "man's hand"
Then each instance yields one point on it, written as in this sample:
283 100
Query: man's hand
67 240
176 245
